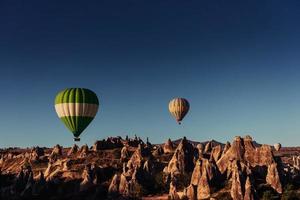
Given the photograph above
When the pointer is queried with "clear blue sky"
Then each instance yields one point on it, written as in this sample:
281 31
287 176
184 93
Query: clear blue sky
237 62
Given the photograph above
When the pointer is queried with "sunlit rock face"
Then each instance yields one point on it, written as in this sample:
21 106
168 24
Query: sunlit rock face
216 153
182 160
84 151
73 150
242 149
168 146
273 178
124 154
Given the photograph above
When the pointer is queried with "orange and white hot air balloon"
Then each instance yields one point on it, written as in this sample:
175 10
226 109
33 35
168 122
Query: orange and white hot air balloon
179 107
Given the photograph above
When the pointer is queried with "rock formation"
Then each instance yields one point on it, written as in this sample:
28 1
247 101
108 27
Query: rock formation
83 151
36 153
109 143
57 150
136 158
216 153
190 193
273 178
168 146
200 149
73 150
114 185
208 147
182 160
87 181
237 182
173 195
249 190
241 170
124 154
226 147
158 151
203 188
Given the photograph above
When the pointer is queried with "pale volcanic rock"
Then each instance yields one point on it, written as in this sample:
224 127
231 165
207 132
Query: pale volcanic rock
36 153
66 165
245 164
124 153
226 147
57 150
197 172
168 146
87 181
208 147
136 159
296 162
257 156
48 169
175 167
182 160
55 168
84 150
200 148
264 156
190 192
236 191
203 165
249 190
173 195
148 167
273 178
203 188
1 161
244 150
124 185
237 149
216 153
40 177
98 145
210 168
134 186
73 150
26 155
114 185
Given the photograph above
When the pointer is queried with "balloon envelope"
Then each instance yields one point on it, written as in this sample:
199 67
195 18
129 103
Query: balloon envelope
179 107
76 107
277 146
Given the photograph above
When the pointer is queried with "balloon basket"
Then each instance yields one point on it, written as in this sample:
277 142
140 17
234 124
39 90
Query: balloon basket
76 139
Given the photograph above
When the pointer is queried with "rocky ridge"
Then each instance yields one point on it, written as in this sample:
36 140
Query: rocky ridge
128 168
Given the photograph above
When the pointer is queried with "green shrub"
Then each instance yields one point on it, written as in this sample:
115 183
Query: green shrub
160 185
183 180
289 193
267 195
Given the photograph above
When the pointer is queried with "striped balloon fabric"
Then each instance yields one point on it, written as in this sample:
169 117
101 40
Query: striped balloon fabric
179 107
76 107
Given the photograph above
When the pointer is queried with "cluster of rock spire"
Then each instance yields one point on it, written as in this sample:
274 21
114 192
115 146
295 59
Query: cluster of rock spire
129 168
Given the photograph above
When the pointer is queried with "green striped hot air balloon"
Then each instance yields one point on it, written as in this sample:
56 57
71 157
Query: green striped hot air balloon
76 107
